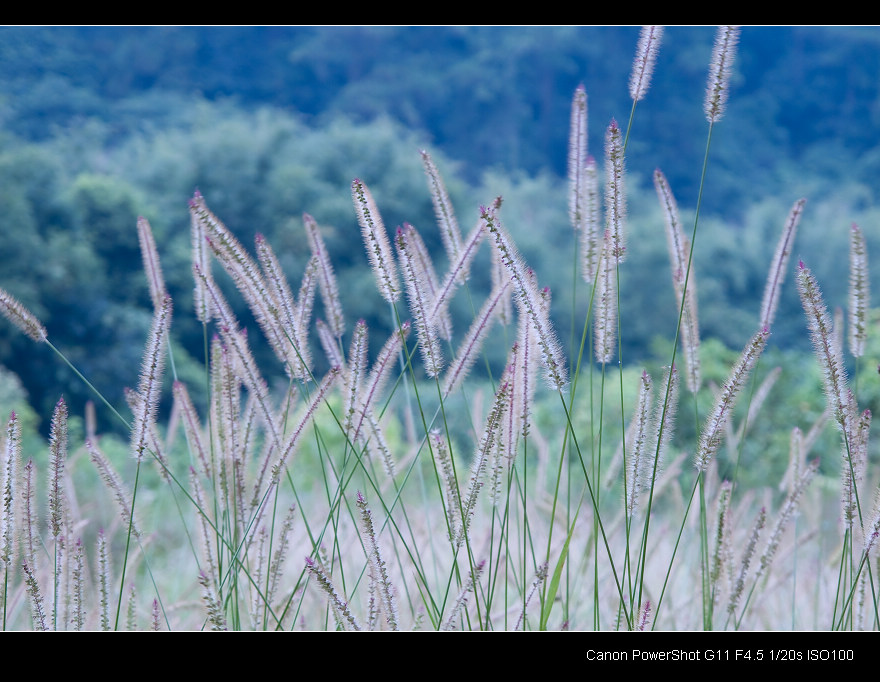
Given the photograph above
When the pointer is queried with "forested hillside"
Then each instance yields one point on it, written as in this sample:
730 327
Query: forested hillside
101 125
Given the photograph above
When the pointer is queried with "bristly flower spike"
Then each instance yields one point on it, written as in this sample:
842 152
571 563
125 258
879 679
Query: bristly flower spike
376 241
825 346
685 291
780 261
57 458
341 610
326 278
201 259
446 221
577 158
12 455
605 317
591 244
529 300
21 317
380 569
419 300
152 267
718 88
643 66
151 379
858 292
615 196
710 440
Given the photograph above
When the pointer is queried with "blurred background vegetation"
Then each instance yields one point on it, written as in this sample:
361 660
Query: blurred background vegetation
100 125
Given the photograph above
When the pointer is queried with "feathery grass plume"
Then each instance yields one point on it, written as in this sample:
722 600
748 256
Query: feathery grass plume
499 276
710 439
154 616
208 535
374 557
305 300
540 577
357 367
605 317
296 347
615 195
78 618
858 292
439 306
226 417
192 428
248 279
326 277
150 385
779 264
28 531
63 579
591 244
517 414
718 88
38 610
500 455
473 341
256 575
722 551
863 601
238 343
419 301
104 580
739 585
853 467
459 269
328 344
213 605
375 384
11 458
280 555
645 617
114 484
826 347
133 400
341 611
383 365
151 262
785 515
293 441
21 317
376 242
664 425
872 531
450 483
131 609
460 603
639 440
685 292
478 467
524 357
371 435
57 458
577 159
201 259
446 221
529 301
643 65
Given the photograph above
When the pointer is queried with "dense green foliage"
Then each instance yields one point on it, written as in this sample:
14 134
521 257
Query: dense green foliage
102 125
